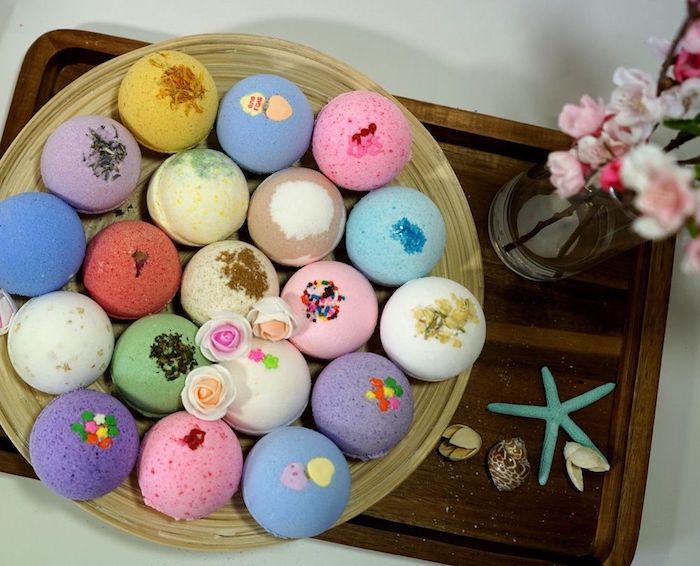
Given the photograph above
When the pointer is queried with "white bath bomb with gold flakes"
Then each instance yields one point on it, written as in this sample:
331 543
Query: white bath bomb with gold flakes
60 341
433 328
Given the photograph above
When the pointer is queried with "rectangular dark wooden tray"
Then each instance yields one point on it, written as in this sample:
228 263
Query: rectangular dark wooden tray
605 325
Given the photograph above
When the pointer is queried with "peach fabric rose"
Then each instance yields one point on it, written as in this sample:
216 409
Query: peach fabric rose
208 392
272 319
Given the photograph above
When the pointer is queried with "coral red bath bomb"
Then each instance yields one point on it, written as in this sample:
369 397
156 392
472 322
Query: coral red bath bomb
188 468
131 269
361 140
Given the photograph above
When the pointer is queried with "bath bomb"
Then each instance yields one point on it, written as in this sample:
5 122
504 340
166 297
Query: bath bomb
60 341
151 361
189 468
226 276
91 162
42 244
363 403
272 387
433 328
198 197
265 123
361 140
337 307
83 444
131 269
168 100
296 216
296 483
395 234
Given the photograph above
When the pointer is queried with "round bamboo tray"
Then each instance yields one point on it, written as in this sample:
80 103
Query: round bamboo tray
230 58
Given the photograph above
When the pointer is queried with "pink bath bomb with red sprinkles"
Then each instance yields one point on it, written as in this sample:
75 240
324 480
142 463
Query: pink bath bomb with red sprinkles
188 468
361 140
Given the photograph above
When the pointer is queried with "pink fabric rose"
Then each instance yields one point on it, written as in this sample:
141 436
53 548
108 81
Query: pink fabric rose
566 173
687 65
8 308
272 319
691 39
208 393
584 119
225 337
664 197
610 176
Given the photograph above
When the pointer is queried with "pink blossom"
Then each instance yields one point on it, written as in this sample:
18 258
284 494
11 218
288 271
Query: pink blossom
610 176
578 121
566 173
691 260
592 151
691 39
619 139
687 65
664 197
660 46
634 101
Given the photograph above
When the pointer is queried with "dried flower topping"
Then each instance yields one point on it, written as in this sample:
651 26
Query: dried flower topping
180 84
96 429
194 439
446 319
385 392
173 355
244 272
105 154
225 337
208 393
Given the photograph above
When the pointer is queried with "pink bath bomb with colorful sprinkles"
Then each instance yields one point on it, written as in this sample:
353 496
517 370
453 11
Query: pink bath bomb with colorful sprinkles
188 468
361 140
337 307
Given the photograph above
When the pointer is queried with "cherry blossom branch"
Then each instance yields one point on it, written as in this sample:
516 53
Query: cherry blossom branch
691 161
680 139
663 82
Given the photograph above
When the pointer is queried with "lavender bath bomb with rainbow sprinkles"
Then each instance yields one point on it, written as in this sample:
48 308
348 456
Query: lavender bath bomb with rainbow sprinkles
363 403
83 444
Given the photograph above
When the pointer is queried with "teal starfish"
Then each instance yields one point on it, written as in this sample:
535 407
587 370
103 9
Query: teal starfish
556 414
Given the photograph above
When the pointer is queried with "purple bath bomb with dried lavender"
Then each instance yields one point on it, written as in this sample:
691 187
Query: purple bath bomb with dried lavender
91 162
83 444
363 403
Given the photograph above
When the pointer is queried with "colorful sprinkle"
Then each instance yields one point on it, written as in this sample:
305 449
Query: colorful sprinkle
322 300
386 393
293 476
256 355
195 438
268 360
96 429
320 471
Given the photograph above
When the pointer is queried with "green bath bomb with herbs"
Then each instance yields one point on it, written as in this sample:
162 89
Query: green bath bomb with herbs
151 361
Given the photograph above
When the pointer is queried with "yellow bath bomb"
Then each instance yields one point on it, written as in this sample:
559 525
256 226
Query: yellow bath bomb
169 101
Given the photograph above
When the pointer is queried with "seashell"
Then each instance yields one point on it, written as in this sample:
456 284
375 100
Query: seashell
508 464
579 458
461 442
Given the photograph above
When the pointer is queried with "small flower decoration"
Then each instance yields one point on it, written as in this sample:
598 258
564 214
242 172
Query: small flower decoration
208 392
8 308
96 429
386 393
225 337
268 360
272 319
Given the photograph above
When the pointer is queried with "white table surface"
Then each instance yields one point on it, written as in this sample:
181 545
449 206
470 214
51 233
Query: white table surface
518 59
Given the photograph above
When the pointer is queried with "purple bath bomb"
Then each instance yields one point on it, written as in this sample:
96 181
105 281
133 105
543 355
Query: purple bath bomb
91 162
83 444
363 403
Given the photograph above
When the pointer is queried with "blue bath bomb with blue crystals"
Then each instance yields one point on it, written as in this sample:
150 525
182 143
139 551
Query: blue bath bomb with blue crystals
395 234
296 482
265 123
42 243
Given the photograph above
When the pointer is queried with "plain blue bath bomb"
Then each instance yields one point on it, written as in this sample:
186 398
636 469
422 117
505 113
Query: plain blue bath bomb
395 234
42 243
265 123
280 492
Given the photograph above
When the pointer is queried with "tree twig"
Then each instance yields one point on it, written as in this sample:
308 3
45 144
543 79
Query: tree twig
679 140
671 55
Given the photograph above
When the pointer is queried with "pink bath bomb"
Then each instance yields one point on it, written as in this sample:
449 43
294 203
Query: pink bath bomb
337 307
361 140
188 468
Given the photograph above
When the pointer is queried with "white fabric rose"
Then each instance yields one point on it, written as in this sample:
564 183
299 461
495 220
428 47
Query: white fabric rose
225 337
272 319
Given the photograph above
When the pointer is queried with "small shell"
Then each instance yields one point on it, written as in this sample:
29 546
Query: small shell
580 458
461 442
508 464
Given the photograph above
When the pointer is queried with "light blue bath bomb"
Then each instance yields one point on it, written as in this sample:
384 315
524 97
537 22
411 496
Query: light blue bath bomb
296 482
395 234
265 123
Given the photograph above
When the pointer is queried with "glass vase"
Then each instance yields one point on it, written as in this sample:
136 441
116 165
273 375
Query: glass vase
543 237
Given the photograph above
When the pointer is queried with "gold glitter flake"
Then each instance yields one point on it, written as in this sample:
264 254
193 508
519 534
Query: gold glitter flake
446 319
